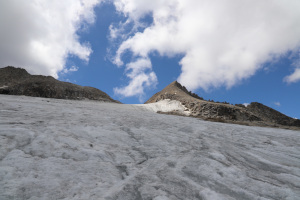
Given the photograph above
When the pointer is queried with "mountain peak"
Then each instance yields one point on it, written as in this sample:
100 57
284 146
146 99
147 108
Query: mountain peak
178 85
254 114
174 91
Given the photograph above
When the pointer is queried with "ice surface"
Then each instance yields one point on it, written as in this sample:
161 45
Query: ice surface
63 149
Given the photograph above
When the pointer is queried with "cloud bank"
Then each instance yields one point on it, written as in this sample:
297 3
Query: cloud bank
223 41
39 35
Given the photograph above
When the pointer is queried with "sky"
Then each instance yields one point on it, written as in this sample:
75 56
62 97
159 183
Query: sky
225 50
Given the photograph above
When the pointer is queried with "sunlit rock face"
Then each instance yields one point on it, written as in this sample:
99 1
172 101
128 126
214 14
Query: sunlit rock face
65 149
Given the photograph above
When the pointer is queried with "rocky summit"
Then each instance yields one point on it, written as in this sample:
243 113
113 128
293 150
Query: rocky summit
254 114
17 81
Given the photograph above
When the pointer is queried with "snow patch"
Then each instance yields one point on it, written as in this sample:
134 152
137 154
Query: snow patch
246 104
166 105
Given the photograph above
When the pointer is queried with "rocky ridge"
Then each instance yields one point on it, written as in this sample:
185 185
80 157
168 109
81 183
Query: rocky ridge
17 81
254 114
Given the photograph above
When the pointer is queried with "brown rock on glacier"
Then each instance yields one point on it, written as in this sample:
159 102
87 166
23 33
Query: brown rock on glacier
254 114
17 81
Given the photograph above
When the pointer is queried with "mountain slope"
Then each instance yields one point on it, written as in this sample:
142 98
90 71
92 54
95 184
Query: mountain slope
269 114
17 81
254 114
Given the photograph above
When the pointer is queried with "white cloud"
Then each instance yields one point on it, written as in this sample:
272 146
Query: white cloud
71 69
223 41
140 78
38 35
294 77
277 103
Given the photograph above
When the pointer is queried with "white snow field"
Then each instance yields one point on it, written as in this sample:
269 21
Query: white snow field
166 105
64 149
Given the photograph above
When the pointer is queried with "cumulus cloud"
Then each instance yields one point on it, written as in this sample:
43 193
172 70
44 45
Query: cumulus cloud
71 69
39 35
294 77
222 41
140 75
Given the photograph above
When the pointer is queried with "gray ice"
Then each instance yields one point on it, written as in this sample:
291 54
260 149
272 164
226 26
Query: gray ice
64 149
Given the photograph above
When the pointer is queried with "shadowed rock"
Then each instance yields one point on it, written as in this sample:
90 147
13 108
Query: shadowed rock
17 81
268 114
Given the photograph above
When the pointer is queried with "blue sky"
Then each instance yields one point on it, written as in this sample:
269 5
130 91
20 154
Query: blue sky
222 50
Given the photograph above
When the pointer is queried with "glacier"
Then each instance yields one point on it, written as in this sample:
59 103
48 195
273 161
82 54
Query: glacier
67 149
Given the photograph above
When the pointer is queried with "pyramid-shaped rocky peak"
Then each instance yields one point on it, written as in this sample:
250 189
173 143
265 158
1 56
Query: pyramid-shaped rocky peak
176 84
174 91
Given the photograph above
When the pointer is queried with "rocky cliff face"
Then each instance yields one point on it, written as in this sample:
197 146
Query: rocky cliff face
17 81
254 114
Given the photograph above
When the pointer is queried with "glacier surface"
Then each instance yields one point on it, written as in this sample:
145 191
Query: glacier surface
64 149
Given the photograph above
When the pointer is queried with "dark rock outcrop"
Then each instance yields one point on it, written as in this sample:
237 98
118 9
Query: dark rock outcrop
269 114
17 81
254 114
